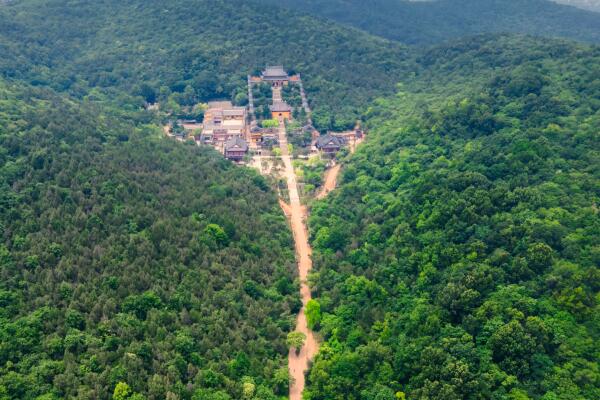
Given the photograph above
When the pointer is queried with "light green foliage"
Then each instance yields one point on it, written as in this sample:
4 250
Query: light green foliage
313 313
270 123
456 260
207 394
215 233
517 394
248 390
48 396
122 391
295 340
314 172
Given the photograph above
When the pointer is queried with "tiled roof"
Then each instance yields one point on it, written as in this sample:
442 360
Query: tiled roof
236 144
328 141
281 106
240 111
220 104
274 71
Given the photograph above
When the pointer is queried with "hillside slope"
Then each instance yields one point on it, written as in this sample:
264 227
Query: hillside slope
429 22
125 258
194 50
459 257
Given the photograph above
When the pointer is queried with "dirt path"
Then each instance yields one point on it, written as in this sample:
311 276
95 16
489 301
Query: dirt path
330 181
332 174
298 363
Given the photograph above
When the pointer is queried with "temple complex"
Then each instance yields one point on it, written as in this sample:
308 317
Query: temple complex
237 132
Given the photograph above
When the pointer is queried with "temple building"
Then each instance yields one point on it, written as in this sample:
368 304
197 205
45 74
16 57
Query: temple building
276 76
256 135
223 121
329 145
235 149
281 109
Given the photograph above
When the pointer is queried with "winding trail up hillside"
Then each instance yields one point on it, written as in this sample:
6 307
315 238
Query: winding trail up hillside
331 176
297 214
298 363
330 181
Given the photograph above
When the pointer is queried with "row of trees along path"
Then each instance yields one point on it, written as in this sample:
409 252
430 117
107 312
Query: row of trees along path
298 361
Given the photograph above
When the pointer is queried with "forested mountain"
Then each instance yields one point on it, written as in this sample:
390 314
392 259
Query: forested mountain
128 258
459 258
429 22
193 50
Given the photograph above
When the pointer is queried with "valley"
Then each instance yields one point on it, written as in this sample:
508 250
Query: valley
250 139
298 361
316 200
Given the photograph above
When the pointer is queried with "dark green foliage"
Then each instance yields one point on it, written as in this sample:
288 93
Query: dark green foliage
428 22
291 94
313 174
193 51
128 261
458 259
263 97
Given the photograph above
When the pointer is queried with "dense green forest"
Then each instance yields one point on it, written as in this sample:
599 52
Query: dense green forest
135 260
459 258
193 51
429 22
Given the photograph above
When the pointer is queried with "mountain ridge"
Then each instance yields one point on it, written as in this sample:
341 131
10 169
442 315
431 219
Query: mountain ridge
124 44
429 22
